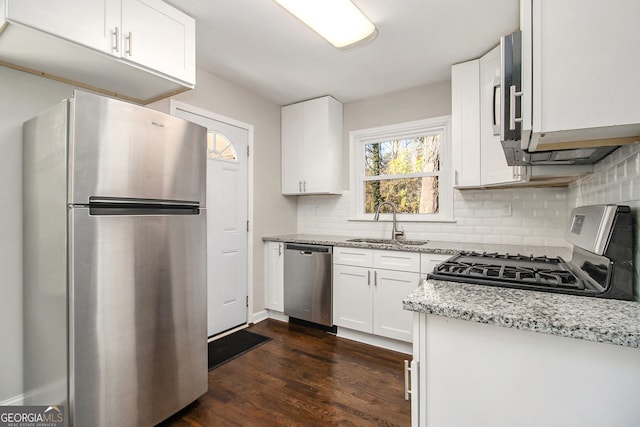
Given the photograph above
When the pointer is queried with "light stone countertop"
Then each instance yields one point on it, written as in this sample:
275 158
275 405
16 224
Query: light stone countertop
433 247
594 319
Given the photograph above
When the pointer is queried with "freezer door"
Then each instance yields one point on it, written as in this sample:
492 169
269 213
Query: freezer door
138 317
122 150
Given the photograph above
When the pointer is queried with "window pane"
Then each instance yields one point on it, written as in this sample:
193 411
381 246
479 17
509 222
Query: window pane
403 156
219 147
410 195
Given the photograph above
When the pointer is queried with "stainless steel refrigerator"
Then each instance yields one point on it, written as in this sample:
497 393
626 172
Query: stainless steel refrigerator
115 315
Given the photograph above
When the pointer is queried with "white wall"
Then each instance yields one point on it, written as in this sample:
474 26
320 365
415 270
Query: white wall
24 96
408 105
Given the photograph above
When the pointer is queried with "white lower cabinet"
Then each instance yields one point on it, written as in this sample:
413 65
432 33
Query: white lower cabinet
368 298
467 373
274 276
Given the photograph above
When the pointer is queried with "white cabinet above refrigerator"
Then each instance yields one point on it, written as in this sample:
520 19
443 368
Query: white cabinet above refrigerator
139 50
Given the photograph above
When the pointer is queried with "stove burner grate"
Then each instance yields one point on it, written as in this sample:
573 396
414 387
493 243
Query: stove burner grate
504 269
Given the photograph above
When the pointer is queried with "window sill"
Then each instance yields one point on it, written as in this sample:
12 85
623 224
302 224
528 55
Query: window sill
401 220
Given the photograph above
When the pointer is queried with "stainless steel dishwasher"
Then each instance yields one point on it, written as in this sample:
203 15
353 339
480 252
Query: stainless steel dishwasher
307 283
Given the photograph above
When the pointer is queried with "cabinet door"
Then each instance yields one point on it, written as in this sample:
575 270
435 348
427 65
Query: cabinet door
322 146
585 62
160 37
494 168
352 298
389 318
465 124
91 23
274 276
292 148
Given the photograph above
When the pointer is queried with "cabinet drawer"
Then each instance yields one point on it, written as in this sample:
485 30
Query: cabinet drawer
394 260
429 261
353 256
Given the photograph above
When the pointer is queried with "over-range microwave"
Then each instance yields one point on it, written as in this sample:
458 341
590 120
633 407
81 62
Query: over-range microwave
507 117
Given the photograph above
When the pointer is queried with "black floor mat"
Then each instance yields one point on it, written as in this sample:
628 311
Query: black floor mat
228 348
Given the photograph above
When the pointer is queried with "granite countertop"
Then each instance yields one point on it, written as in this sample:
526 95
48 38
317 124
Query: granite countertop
593 319
433 247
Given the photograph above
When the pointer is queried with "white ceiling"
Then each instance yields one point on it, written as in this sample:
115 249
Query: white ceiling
258 45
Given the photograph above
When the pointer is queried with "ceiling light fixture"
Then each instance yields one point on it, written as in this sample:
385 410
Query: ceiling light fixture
340 22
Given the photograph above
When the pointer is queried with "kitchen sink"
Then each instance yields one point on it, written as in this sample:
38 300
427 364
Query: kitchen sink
389 241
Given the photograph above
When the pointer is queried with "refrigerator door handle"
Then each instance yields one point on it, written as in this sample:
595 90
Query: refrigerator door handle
125 206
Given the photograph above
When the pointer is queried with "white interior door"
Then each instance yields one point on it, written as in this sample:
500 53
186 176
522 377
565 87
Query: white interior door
227 216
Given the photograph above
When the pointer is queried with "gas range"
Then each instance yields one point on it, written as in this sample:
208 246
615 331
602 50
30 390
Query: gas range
601 265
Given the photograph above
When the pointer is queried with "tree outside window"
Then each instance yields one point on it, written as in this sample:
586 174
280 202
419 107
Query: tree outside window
404 164
405 172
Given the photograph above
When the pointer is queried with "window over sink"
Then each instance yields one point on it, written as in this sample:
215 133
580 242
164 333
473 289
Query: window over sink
407 164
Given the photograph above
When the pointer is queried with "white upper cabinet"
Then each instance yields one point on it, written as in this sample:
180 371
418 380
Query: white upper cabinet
477 153
580 70
89 22
312 148
465 123
140 50
160 37
478 157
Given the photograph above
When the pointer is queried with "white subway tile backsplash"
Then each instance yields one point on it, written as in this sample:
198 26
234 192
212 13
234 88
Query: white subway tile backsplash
531 216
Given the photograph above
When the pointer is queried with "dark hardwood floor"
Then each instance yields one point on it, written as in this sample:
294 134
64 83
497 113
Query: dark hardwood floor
303 377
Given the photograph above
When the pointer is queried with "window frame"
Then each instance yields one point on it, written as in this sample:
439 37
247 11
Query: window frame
359 138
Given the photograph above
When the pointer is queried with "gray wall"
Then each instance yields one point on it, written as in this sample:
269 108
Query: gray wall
25 95
414 104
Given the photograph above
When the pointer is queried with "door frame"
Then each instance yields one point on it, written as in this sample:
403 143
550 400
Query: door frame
178 105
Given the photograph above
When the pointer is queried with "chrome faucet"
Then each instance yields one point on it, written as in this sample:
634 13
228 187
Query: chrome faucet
395 233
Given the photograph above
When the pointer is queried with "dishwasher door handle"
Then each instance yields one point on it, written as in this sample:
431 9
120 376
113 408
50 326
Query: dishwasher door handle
306 253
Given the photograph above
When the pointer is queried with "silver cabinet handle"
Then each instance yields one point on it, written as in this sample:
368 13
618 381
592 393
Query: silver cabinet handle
407 370
116 34
130 44
375 278
304 186
457 177
300 186
369 278
512 107
280 249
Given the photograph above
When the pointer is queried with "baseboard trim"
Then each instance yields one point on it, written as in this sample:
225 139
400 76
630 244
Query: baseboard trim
260 316
375 340
278 315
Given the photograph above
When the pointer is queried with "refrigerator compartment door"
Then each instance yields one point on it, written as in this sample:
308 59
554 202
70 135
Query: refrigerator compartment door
118 149
138 316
